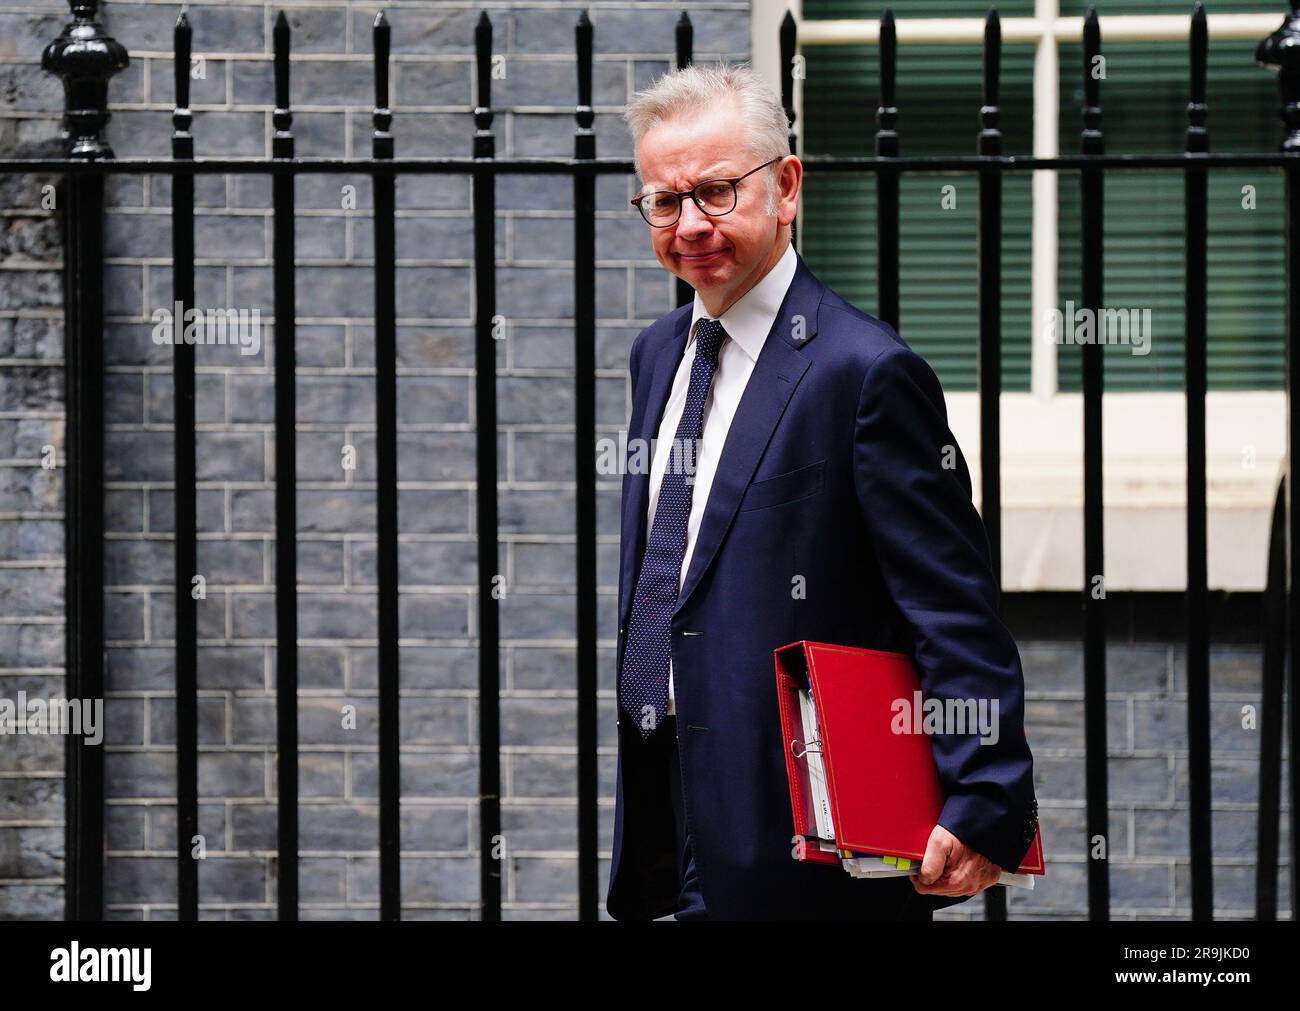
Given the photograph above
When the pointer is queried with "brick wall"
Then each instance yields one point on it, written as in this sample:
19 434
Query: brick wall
332 82
1146 728
31 496
432 94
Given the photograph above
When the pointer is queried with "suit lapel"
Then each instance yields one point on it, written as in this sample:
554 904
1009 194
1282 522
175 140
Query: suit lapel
777 372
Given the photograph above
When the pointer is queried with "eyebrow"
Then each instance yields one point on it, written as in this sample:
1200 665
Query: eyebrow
707 174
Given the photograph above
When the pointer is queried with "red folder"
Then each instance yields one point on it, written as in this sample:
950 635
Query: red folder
883 786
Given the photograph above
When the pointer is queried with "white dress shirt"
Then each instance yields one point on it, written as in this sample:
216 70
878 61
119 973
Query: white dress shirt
747 324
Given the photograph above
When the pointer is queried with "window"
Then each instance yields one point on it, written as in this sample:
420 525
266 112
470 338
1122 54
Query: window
1144 100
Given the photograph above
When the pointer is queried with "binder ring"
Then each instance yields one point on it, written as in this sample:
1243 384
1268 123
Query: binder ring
794 744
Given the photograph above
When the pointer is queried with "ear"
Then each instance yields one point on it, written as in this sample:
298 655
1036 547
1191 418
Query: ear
789 184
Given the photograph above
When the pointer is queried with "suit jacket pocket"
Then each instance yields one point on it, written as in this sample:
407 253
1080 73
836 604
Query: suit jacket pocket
787 487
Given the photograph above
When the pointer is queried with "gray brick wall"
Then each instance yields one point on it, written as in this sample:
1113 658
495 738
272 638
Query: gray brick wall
31 496
432 65
332 82
1146 706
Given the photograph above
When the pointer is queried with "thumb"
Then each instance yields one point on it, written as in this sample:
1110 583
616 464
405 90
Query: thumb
935 860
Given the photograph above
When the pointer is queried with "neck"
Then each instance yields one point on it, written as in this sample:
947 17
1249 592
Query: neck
716 305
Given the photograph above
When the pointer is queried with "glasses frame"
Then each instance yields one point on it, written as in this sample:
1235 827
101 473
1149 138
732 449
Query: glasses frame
681 194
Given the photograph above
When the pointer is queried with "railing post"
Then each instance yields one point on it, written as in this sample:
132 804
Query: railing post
1092 215
789 44
386 494
286 489
1271 705
685 33
492 856
989 301
1280 52
84 58
887 179
185 495
584 438
1197 623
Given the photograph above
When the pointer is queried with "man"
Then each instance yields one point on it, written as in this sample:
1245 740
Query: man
803 484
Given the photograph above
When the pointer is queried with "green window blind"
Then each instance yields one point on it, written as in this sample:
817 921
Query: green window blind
1144 97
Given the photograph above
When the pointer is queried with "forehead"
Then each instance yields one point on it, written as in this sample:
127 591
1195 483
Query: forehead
679 153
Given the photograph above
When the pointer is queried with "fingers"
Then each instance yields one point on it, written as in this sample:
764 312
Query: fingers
933 864
950 868
958 880
945 884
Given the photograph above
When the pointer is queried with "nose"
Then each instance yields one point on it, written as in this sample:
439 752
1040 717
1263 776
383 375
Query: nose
693 221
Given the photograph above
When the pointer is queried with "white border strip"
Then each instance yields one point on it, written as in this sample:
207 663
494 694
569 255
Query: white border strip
1114 28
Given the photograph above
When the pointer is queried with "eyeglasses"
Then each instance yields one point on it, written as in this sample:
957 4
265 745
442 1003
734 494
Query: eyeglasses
714 197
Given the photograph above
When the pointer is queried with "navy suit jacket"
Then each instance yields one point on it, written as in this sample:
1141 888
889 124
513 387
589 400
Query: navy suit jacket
839 467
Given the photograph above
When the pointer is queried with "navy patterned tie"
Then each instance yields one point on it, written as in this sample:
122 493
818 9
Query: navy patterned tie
643 686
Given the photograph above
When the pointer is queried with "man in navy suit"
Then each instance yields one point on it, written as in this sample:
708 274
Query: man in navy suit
800 482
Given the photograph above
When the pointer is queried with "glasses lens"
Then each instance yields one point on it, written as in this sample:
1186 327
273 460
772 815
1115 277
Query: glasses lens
660 208
717 197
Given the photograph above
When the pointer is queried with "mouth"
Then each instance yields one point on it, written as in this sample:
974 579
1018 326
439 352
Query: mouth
698 258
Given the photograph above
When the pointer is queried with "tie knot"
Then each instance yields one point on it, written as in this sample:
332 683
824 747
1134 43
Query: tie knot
709 335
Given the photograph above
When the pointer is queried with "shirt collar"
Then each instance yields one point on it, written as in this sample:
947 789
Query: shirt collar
749 321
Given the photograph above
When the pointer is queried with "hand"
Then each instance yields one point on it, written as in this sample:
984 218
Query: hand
950 867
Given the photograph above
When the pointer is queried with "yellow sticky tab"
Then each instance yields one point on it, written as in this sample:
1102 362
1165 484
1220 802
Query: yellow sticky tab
893 861
903 864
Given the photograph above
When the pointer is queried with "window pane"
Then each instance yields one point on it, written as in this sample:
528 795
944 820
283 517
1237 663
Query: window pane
1144 96
918 9
1078 8
938 100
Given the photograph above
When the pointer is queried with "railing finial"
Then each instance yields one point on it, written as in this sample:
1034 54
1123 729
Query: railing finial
989 141
484 141
182 118
1091 139
887 111
1198 138
382 117
84 57
1280 52
583 113
684 35
282 117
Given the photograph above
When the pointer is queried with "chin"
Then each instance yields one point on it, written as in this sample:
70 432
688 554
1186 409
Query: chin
705 281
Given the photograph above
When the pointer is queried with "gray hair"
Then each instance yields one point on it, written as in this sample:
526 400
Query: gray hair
694 89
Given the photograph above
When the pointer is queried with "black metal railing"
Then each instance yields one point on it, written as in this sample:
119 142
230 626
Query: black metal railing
85 58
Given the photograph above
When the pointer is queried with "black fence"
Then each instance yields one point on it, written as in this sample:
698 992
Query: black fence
85 58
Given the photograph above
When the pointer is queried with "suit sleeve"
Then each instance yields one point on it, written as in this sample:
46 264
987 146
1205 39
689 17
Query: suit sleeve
914 489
